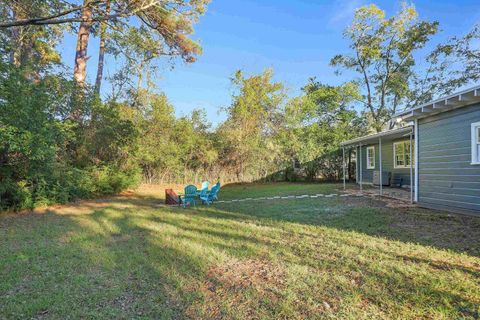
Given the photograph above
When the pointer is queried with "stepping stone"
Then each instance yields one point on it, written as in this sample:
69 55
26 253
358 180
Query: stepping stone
320 195
314 196
235 200
276 197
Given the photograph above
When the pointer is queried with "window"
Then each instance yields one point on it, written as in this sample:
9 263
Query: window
476 143
401 154
371 158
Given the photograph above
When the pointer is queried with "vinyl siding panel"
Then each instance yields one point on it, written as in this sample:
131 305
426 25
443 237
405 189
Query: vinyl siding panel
446 177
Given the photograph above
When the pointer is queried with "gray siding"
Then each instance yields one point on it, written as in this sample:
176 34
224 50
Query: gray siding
387 163
446 177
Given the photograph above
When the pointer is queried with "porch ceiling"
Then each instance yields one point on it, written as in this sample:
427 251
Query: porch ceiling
373 138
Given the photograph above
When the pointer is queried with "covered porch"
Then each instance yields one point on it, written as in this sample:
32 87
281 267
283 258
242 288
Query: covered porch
384 163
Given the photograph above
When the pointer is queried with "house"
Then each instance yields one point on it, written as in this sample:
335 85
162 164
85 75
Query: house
436 155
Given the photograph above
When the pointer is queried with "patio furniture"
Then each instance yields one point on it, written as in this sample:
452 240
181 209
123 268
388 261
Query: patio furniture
209 197
215 197
205 185
397 182
189 196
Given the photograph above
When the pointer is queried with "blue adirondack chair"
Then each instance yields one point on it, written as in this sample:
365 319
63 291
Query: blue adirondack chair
205 185
215 196
209 197
202 193
189 196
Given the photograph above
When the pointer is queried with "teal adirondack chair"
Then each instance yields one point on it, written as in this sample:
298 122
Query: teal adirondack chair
215 196
209 197
189 196
202 193
205 185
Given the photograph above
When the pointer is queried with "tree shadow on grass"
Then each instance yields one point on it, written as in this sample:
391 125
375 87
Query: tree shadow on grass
222 234
368 216
106 267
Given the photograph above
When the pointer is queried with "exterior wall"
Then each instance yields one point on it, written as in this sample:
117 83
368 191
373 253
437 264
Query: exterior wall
446 177
387 163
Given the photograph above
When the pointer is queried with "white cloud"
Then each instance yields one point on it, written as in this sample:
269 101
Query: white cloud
343 11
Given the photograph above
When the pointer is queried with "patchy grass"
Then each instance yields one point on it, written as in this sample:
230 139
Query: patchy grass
130 257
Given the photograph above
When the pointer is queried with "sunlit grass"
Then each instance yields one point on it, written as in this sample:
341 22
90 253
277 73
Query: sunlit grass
130 257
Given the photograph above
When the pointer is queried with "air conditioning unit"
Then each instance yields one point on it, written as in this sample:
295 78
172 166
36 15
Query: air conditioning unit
386 176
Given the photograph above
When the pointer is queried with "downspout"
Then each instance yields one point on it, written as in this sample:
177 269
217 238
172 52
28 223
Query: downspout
416 155
411 170
361 169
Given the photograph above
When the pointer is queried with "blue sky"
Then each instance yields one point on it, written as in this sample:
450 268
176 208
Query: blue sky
295 38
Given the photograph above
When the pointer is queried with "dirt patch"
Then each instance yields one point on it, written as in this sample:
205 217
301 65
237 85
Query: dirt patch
241 274
232 283
381 201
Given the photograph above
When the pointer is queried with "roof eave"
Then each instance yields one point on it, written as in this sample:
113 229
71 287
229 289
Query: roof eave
458 100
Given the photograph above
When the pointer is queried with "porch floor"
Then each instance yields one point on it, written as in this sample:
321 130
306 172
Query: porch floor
396 193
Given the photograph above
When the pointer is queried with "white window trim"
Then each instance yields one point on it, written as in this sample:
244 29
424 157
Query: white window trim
395 166
368 164
475 155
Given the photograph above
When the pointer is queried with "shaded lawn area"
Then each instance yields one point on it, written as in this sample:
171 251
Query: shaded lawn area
129 257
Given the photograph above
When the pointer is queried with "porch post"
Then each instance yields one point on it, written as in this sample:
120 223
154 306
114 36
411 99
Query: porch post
343 165
356 165
380 166
411 170
361 169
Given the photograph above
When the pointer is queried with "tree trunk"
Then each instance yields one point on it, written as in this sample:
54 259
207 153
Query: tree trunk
80 69
101 51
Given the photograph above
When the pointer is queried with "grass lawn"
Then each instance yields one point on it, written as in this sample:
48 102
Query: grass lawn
333 258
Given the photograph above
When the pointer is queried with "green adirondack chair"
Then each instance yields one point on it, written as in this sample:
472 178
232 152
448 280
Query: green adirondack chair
189 196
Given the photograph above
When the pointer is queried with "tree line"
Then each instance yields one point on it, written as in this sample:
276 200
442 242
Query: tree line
62 138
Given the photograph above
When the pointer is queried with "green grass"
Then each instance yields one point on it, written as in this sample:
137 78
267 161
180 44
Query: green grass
335 258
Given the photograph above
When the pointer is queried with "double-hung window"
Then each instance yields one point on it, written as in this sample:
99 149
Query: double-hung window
476 143
371 157
401 154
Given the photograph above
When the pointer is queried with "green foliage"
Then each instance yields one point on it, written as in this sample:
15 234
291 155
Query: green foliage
254 117
46 158
383 56
316 123
450 65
